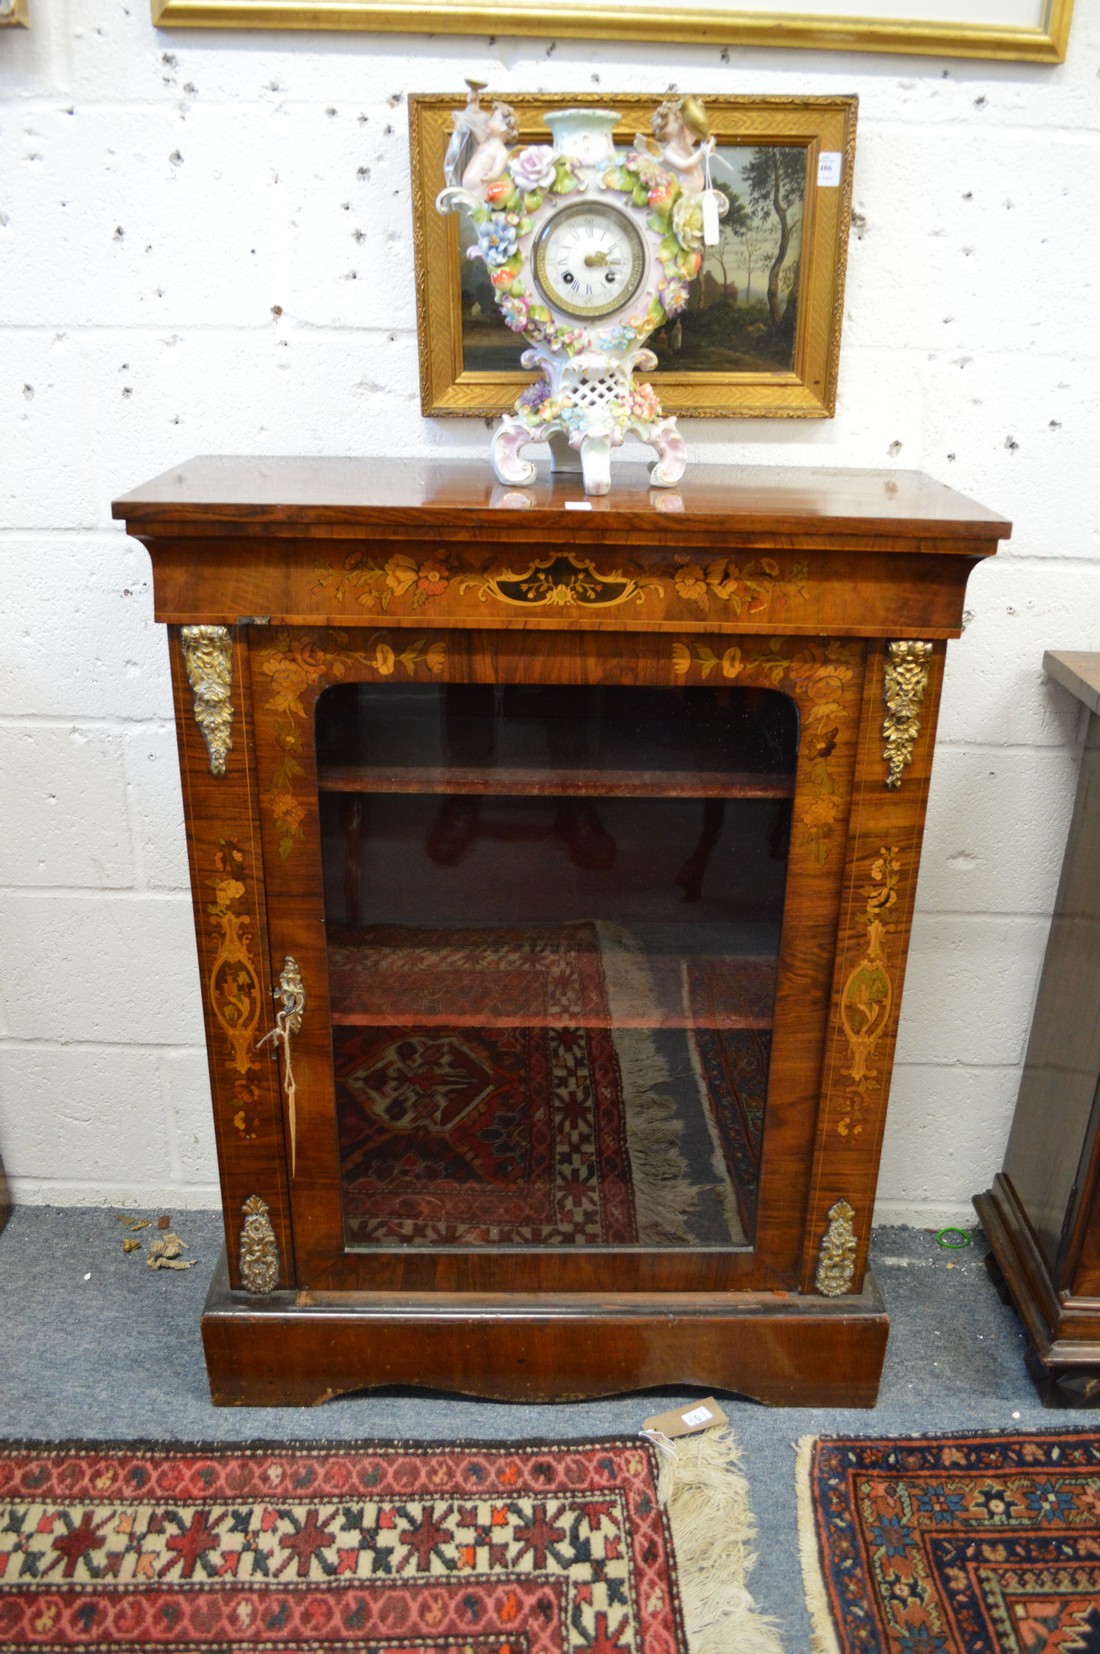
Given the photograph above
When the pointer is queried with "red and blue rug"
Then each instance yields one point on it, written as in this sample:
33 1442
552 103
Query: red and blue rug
968 1544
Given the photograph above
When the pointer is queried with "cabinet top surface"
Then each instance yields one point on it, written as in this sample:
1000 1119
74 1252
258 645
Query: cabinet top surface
242 490
1076 671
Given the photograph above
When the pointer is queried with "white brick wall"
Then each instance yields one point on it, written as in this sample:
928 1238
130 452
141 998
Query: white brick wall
161 194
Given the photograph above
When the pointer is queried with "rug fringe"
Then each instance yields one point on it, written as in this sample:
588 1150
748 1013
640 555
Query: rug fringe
723 1183
664 1196
702 1487
626 974
824 1639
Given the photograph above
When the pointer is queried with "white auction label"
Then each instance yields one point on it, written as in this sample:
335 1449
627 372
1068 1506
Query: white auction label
830 166
578 505
698 1415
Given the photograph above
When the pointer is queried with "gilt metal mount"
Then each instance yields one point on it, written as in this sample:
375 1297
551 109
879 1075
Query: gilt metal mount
208 657
905 679
836 1260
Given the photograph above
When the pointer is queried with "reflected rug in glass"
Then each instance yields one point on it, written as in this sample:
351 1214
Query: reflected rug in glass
539 1086
469 1136
965 1544
733 1067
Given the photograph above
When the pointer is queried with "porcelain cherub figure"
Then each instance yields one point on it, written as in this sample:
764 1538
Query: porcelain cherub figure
478 151
681 128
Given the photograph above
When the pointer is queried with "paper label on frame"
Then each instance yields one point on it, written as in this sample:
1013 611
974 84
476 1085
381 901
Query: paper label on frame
830 167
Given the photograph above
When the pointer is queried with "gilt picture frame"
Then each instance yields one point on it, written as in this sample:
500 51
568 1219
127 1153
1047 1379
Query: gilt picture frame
761 334
1030 31
14 14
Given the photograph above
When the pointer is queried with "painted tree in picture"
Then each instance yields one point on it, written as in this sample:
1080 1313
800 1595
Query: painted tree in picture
777 188
743 310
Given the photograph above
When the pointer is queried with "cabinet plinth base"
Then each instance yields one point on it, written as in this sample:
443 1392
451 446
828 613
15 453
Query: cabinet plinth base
1064 1333
296 1349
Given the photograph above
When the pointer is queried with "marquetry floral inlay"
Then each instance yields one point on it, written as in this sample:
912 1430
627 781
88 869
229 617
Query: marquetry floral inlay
752 587
234 983
298 663
376 581
818 675
868 994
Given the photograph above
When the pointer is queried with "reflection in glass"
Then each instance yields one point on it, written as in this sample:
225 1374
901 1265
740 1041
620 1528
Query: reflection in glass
553 919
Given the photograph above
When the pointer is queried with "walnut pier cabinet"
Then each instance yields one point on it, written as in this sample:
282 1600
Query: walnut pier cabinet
553 864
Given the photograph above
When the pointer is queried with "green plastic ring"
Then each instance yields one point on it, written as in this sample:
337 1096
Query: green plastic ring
955 1245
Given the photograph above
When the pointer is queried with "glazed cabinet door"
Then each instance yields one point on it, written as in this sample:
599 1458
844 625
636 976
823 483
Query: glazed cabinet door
553 916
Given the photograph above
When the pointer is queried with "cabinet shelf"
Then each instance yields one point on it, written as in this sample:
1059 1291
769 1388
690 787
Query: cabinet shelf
391 987
546 783
393 1018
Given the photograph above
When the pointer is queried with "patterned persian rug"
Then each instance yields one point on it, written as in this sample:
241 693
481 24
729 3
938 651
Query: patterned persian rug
574 1549
952 1544
506 1086
733 1068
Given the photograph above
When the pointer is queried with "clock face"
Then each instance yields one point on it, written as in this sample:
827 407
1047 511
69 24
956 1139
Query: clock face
589 259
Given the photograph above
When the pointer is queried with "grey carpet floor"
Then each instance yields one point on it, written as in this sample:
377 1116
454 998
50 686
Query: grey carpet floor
94 1345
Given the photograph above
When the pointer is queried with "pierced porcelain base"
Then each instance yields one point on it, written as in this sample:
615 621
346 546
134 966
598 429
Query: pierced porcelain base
513 434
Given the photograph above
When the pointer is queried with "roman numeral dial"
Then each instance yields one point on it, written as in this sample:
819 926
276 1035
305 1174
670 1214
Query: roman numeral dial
589 260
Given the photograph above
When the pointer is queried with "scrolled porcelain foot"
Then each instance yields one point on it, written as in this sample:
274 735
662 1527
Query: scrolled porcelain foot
671 458
596 464
508 438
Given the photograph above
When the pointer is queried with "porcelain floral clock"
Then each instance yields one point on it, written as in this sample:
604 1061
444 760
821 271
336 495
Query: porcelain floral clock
590 250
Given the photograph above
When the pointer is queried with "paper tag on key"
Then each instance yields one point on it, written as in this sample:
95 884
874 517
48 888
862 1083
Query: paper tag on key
685 1421
711 231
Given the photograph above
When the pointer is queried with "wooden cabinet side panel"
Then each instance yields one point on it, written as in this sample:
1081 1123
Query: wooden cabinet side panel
882 863
229 901
1051 1159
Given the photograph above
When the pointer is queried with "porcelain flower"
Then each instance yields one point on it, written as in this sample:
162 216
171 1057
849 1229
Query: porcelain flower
687 221
674 298
618 338
535 395
533 167
497 240
645 168
644 404
514 308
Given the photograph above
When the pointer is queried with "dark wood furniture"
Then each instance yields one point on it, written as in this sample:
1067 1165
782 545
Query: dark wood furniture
456 756
1042 1215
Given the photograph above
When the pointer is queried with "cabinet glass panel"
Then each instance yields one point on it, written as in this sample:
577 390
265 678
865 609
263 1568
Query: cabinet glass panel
553 920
